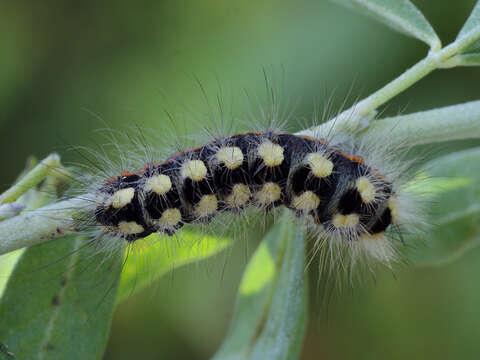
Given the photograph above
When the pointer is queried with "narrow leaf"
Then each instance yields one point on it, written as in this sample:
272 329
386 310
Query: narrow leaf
7 264
270 313
471 29
157 255
400 15
59 301
454 194
282 336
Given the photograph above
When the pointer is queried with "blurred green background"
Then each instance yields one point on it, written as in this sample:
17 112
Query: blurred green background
127 62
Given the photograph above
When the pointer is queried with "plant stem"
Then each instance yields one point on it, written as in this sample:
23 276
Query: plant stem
40 225
10 209
459 44
32 178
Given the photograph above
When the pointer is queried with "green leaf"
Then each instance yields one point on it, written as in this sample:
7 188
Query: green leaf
61 295
158 254
7 264
59 301
271 309
453 190
400 15
471 29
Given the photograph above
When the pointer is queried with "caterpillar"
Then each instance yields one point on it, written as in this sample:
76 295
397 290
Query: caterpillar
339 193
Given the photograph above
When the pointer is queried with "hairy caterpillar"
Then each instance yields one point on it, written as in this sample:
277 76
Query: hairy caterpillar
339 191
347 190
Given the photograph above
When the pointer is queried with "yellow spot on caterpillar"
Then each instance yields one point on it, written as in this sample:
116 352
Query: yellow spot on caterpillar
206 206
231 156
393 206
159 184
194 169
366 189
239 196
120 198
345 221
170 218
130 227
319 164
269 193
307 201
271 154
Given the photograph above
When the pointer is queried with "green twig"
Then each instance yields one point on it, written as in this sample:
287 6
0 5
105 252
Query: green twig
10 209
37 226
32 178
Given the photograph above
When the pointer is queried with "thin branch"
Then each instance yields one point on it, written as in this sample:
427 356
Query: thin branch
32 178
40 225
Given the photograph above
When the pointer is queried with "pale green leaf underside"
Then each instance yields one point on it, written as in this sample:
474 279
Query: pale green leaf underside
270 313
158 254
471 26
453 192
59 300
400 15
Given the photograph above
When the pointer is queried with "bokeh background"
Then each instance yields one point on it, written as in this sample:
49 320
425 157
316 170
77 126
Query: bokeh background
65 64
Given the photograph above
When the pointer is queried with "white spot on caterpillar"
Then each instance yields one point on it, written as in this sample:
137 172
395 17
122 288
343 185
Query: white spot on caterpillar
345 221
194 169
269 193
239 196
231 157
159 184
169 219
307 201
130 227
120 198
321 167
393 206
271 154
206 206
366 189
378 246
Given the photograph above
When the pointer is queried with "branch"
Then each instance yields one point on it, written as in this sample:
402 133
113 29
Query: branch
34 177
40 225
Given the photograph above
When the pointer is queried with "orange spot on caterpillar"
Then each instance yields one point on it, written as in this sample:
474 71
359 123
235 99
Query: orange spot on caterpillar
110 180
357 159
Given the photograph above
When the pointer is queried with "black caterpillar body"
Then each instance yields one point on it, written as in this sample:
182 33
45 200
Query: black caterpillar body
265 169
